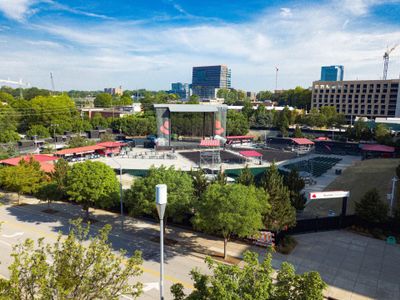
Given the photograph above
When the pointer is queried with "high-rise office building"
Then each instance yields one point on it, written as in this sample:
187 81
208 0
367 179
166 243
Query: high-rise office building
207 80
181 89
364 98
332 73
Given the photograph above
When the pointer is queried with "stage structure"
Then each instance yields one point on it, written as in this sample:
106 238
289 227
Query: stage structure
163 115
210 154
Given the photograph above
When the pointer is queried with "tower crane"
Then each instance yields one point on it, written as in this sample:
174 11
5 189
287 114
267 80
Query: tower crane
386 60
20 83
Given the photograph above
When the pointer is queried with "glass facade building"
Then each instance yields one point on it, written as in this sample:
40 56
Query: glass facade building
208 79
332 73
180 89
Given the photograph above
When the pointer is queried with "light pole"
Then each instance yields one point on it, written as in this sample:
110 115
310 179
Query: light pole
394 180
120 191
161 203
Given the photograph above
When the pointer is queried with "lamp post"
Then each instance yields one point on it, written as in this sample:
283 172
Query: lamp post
392 195
120 191
161 203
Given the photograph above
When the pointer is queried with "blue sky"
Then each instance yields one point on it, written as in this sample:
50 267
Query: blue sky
92 44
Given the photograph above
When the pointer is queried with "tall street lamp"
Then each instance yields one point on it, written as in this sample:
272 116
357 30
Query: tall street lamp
161 203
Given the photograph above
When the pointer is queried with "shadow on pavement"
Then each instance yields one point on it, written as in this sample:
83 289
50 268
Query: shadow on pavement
136 235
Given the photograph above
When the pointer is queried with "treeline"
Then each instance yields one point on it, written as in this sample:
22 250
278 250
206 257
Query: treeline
270 203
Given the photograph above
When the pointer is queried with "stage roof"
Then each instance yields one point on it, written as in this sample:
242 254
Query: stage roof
189 107
250 153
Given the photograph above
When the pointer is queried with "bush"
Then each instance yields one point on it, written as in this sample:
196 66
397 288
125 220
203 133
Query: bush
371 208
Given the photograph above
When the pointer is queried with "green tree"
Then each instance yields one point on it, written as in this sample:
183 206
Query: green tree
47 110
92 184
237 123
200 183
79 141
68 269
253 281
231 210
7 136
282 213
107 137
382 134
371 208
295 185
103 100
48 192
245 177
297 132
98 121
39 131
140 198
6 97
292 286
60 175
25 178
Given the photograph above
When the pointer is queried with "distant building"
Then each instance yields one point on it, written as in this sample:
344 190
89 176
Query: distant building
364 98
114 91
207 80
332 73
180 89
251 95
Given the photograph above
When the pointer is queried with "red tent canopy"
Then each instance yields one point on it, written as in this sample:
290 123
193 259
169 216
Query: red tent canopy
250 153
302 141
45 161
209 143
240 137
80 150
377 148
111 144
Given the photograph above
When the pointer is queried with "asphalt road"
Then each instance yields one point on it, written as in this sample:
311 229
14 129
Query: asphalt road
20 222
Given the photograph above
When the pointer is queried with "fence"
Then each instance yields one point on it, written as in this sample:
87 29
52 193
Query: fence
336 223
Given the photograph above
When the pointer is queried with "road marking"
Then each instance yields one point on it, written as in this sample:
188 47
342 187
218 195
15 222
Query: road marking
50 234
151 286
12 235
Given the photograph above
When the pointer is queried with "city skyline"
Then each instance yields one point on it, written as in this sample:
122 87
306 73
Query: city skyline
90 45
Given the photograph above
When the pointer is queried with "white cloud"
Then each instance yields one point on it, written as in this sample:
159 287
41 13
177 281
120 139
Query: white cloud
131 54
286 12
16 9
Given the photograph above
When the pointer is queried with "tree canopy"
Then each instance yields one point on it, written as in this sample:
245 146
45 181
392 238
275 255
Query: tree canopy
140 198
282 213
68 269
25 178
371 208
253 281
231 210
237 123
92 184
103 100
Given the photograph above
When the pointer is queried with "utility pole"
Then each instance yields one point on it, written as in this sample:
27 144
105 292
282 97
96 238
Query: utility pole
54 135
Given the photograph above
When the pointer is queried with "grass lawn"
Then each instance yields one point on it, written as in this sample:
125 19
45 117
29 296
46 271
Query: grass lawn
358 179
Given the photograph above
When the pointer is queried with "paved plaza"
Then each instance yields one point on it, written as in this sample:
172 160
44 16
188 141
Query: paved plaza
354 266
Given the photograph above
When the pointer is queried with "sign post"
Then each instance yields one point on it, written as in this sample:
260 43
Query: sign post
331 195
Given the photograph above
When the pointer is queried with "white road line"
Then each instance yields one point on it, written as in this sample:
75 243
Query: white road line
12 235
5 243
150 286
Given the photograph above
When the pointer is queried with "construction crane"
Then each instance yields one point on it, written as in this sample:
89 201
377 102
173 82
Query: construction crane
52 82
386 60
20 83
